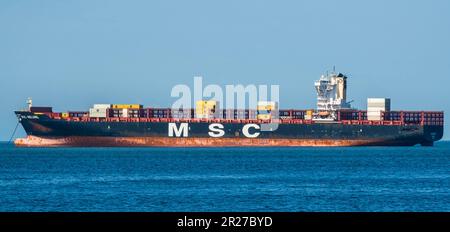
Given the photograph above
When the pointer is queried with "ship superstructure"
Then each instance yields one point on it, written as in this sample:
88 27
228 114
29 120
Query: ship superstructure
331 95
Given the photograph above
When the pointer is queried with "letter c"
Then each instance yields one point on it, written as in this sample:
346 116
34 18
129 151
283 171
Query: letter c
247 127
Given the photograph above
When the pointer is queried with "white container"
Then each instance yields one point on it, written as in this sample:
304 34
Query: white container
375 107
125 113
374 118
98 113
374 115
383 104
102 106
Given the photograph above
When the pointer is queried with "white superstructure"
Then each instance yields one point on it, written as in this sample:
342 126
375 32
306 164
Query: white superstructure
331 94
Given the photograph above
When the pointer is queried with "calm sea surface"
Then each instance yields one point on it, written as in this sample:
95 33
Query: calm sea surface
225 179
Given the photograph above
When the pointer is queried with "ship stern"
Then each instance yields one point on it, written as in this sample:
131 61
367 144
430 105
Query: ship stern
432 134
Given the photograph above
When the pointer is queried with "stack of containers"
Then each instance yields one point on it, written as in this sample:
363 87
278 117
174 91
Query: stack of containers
364 115
228 114
412 117
309 115
433 118
299 114
345 114
376 106
206 109
285 114
161 113
252 114
348 115
39 109
241 114
77 114
177 113
126 110
265 109
392 116
181 113
99 111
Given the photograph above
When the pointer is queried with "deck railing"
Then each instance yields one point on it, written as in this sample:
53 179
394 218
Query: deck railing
347 117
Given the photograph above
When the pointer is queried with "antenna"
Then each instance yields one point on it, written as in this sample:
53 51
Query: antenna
334 69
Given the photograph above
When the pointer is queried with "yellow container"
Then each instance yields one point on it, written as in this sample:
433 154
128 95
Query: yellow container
205 108
65 115
264 116
127 106
206 104
268 106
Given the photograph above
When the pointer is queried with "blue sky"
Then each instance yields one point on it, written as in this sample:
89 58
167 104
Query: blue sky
71 54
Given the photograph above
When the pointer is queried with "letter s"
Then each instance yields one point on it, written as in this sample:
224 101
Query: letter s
216 130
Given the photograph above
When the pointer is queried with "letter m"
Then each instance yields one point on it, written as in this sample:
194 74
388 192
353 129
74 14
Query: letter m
178 131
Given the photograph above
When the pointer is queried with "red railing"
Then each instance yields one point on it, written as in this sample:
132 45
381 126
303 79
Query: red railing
347 117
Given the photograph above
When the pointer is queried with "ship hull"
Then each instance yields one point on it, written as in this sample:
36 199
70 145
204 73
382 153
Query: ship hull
46 132
97 141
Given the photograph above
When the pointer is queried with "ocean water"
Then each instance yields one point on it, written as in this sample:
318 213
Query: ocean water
354 179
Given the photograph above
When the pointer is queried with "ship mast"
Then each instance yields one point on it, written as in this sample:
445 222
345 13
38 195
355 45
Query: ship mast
29 103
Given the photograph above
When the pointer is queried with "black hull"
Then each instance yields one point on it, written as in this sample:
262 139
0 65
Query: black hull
50 132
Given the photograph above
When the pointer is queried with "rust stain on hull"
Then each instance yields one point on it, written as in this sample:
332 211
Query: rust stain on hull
90 141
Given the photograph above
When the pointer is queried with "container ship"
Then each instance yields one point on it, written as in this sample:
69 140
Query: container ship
333 123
